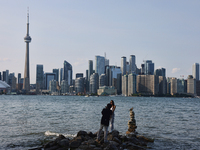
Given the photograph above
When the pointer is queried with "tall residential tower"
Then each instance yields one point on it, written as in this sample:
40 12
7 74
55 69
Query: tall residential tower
195 71
27 39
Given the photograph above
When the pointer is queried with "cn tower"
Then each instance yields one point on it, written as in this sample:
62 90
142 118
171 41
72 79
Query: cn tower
27 39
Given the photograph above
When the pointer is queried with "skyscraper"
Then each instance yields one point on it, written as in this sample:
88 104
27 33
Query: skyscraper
79 84
147 84
102 80
7 78
56 71
39 77
148 67
94 83
19 77
61 74
90 69
123 65
132 67
67 72
131 84
27 39
4 76
160 72
99 65
78 75
195 71
191 85
47 78
125 85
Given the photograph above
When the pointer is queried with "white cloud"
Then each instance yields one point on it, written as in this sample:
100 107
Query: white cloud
175 70
4 59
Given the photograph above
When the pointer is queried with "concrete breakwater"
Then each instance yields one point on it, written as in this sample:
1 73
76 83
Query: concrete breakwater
87 141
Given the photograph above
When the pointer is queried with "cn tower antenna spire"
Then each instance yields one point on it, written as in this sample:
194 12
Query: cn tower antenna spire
28 15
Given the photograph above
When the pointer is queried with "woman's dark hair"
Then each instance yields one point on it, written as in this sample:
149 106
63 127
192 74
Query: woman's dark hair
113 104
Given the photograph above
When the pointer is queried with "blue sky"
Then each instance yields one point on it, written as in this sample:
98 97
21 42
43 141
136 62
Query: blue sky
166 32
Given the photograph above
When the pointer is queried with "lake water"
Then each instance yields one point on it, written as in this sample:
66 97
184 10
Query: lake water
27 121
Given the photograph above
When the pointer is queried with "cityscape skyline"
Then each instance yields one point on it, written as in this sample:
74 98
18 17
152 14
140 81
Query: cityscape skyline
171 43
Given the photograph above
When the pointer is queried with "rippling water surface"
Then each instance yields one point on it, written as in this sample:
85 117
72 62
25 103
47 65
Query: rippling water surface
28 121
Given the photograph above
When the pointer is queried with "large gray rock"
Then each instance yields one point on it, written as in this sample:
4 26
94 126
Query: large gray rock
111 147
50 144
83 147
117 140
97 148
134 146
134 140
75 144
82 133
115 133
114 143
90 134
91 142
60 137
55 147
64 143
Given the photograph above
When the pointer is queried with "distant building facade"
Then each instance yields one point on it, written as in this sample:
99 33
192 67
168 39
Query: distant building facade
195 71
160 72
78 75
56 71
64 87
131 84
191 85
61 74
52 86
148 67
148 84
99 65
123 65
47 78
90 68
132 68
79 85
162 85
67 72
94 83
106 90
39 77
125 85
102 80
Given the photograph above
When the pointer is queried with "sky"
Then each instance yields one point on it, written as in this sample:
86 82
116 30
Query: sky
166 32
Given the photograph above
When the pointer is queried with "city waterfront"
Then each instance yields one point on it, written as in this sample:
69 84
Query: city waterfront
29 121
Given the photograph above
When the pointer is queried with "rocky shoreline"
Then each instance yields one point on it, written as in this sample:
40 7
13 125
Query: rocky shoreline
87 141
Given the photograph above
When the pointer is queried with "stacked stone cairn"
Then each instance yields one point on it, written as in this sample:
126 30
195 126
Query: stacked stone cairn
131 123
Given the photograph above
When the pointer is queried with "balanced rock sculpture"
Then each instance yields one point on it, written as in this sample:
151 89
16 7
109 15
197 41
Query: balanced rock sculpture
131 123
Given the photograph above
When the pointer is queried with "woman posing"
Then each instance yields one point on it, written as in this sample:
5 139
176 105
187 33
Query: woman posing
113 115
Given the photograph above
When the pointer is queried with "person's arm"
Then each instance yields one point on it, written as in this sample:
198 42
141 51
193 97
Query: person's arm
113 108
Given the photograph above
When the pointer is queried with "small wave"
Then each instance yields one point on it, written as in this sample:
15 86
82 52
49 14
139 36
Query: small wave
70 135
48 133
